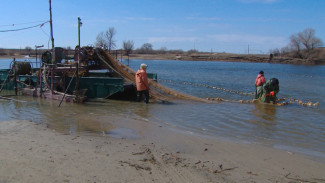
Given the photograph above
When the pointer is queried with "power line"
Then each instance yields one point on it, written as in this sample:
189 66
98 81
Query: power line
12 30
8 25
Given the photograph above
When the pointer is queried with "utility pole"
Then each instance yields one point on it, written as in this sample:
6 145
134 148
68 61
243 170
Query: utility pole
78 62
79 25
51 27
248 49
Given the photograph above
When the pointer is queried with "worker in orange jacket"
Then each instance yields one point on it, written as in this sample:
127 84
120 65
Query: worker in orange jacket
142 83
260 80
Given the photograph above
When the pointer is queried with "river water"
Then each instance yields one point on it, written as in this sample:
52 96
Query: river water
292 127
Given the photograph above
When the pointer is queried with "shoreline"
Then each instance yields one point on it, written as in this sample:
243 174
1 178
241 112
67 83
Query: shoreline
32 152
213 57
228 57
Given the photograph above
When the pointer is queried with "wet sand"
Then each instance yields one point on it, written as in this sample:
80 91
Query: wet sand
33 152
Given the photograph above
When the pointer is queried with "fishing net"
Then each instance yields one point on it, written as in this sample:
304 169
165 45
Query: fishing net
22 68
157 91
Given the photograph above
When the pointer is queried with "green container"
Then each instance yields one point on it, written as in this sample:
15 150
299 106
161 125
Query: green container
4 74
5 82
100 86
97 87
152 76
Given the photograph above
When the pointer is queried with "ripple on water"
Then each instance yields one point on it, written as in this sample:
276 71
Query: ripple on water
286 126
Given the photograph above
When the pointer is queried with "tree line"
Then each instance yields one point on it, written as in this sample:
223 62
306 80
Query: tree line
106 40
302 45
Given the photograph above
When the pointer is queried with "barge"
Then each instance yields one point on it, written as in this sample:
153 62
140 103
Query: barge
87 76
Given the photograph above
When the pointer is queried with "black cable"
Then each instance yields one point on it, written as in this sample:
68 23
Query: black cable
25 27
9 25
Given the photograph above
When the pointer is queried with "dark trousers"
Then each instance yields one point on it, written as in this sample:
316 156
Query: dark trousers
146 96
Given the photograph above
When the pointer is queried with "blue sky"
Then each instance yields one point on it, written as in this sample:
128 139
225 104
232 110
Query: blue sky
206 25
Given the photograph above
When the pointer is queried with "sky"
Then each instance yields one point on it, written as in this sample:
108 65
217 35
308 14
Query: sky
232 26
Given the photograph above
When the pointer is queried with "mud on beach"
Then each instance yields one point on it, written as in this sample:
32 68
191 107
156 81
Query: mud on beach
33 152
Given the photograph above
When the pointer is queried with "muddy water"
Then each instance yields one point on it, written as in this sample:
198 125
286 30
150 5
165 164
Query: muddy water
292 127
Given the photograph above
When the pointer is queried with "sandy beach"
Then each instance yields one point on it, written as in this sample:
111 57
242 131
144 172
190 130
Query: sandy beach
33 152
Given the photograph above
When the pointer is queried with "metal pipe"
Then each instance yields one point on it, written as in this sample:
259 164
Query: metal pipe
79 25
66 90
36 52
15 76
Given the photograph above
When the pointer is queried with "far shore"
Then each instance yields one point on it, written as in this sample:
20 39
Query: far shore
33 152
225 57
12 57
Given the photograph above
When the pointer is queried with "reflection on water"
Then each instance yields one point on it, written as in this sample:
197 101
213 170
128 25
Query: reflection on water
265 111
70 118
89 123
142 111
291 126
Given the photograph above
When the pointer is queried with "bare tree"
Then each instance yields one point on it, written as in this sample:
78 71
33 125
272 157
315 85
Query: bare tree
285 50
192 51
28 49
146 48
179 51
316 42
162 50
106 40
100 41
305 37
128 47
295 45
275 52
109 34
306 41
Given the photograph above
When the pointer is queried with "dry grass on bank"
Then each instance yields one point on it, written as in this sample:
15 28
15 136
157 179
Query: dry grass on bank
316 58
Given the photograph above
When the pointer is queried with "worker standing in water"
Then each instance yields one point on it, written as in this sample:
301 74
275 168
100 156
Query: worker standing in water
270 89
260 80
142 83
